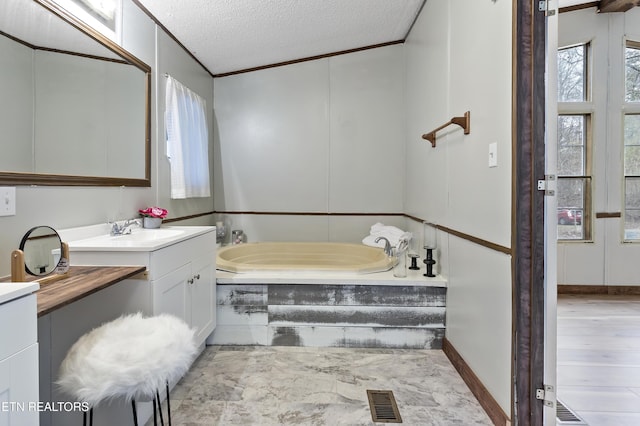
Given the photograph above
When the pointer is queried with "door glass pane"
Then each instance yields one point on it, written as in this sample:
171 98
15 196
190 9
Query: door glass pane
632 75
571 144
632 145
571 74
571 208
632 209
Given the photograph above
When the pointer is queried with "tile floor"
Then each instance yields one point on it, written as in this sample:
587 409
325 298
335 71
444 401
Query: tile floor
598 378
599 358
320 386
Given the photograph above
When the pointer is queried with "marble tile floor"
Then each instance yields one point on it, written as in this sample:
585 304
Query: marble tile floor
230 385
599 358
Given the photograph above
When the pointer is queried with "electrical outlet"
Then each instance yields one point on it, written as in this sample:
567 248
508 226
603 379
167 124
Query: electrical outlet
7 201
493 154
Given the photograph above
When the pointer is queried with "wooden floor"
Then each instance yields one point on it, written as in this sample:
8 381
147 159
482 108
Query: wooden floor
599 358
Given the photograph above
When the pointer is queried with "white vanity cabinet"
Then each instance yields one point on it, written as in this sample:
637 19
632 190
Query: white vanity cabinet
188 291
19 358
180 271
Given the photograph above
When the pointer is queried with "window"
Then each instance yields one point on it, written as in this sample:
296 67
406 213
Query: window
574 144
572 76
632 142
101 15
187 141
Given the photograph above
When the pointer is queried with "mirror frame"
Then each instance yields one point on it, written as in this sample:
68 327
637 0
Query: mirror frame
20 178
23 247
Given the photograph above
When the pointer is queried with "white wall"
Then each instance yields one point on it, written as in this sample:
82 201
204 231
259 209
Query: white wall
605 260
64 207
458 58
324 136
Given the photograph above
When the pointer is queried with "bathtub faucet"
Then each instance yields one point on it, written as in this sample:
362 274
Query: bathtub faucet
387 245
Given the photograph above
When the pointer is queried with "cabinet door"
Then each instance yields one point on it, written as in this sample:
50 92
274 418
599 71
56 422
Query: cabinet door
202 297
19 388
170 293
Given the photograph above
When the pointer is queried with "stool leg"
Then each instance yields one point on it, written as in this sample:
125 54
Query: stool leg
168 405
84 418
159 407
135 412
91 416
155 417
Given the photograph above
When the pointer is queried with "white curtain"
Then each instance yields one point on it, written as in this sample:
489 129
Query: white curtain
187 141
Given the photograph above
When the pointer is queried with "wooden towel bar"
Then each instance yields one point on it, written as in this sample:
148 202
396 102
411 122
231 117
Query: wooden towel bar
464 122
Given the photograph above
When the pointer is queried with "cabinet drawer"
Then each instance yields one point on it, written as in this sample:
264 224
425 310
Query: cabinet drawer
169 258
21 313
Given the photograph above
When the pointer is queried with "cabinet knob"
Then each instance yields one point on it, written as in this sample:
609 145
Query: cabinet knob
190 281
197 277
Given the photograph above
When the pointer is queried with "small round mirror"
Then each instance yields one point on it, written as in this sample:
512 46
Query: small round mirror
42 249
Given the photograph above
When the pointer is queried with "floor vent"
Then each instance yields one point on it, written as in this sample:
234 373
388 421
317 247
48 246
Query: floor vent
383 406
567 417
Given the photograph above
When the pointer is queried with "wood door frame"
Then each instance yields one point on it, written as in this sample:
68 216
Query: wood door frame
528 211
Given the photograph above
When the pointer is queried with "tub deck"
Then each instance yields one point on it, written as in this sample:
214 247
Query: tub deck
413 278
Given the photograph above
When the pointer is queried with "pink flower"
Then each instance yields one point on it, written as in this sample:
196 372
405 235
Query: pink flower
158 212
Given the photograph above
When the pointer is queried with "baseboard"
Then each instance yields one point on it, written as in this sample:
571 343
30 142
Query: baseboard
599 289
490 405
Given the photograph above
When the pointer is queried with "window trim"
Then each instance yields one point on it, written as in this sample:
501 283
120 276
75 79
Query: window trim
584 108
587 177
628 108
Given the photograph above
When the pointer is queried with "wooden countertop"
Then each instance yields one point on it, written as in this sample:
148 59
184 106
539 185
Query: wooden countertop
79 282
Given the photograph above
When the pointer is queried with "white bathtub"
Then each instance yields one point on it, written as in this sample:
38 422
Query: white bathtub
308 257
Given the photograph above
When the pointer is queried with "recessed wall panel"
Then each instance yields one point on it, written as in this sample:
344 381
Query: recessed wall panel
272 130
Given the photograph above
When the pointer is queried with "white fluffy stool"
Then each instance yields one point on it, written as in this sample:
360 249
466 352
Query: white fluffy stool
130 357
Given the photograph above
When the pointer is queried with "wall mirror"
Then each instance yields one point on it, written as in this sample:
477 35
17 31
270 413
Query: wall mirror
75 107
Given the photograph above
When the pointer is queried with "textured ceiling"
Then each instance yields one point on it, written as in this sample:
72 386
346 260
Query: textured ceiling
233 35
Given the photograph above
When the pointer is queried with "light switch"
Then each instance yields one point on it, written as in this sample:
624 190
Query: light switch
7 201
493 154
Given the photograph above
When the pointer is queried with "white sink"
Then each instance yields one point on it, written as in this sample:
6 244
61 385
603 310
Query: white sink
147 235
140 239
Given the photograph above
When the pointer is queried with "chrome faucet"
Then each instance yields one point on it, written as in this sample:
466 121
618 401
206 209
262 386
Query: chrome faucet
387 245
125 228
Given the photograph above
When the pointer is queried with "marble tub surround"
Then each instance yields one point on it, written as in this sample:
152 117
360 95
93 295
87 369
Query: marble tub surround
230 385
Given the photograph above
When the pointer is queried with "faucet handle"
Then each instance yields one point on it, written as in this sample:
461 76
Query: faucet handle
115 228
